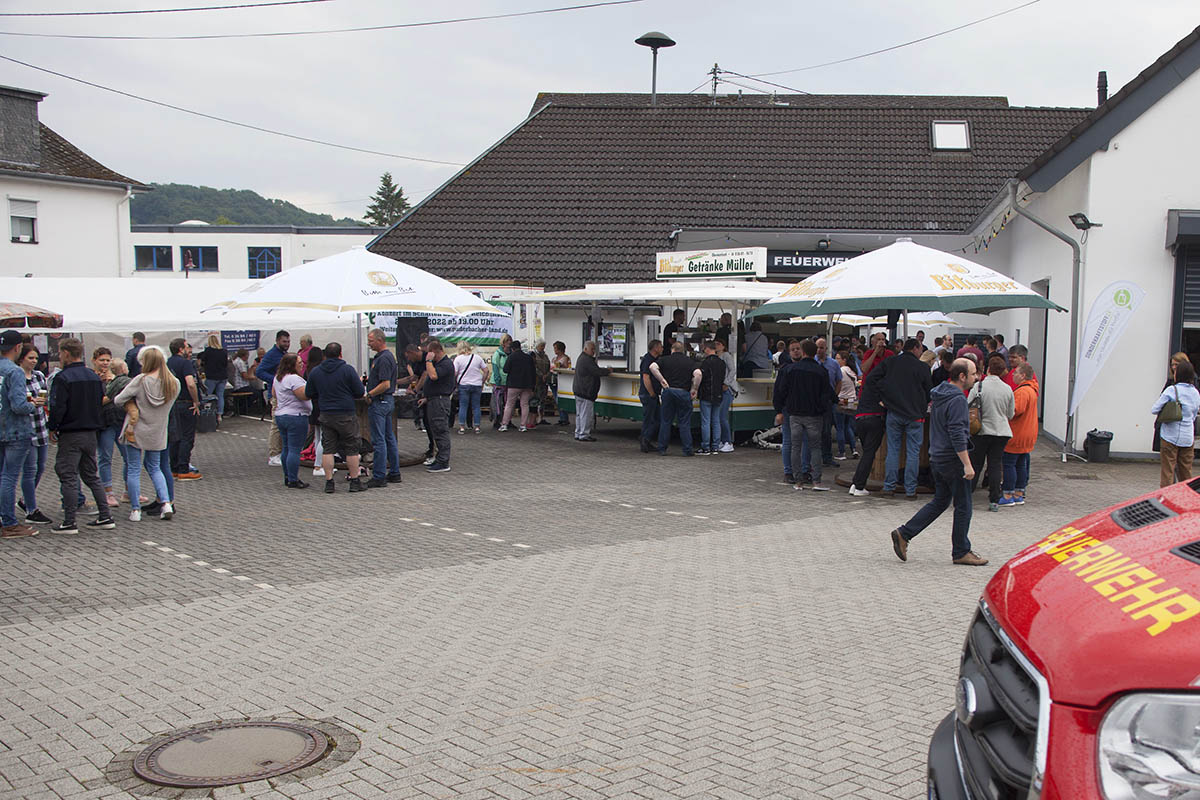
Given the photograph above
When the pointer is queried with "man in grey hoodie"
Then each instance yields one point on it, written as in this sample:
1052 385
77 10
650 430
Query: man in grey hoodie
950 462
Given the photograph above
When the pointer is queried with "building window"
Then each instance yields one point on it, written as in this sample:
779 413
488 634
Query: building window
264 261
22 216
951 135
152 258
199 259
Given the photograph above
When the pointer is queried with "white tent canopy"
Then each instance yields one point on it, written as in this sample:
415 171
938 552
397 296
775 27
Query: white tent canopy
152 304
663 291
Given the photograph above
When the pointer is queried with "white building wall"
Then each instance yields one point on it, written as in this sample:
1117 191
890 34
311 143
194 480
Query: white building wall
233 248
79 230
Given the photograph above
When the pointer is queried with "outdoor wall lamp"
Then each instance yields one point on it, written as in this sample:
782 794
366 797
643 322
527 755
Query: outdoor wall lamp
1080 221
823 244
654 40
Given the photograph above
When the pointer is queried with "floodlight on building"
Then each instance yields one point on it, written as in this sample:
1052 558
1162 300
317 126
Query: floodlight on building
654 40
823 244
1080 221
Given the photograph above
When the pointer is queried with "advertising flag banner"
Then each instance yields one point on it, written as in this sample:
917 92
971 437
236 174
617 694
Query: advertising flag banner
1106 321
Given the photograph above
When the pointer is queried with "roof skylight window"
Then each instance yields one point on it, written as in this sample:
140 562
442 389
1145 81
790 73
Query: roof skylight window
951 135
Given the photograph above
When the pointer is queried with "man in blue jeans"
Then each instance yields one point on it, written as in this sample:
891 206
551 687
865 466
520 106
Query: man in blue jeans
680 380
905 383
648 394
381 383
950 461
16 434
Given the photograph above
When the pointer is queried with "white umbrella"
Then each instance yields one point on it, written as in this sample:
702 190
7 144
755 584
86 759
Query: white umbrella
903 277
357 281
918 319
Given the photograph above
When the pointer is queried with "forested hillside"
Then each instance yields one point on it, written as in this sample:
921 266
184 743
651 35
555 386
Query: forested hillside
172 203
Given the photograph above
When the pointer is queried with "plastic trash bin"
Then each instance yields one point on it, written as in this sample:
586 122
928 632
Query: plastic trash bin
1097 444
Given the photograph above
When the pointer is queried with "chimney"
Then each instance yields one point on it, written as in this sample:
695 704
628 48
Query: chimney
20 136
1101 88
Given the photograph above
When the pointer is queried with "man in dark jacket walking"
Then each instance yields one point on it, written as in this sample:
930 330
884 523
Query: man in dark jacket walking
802 391
336 385
586 387
75 417
522 375
905 383
950 460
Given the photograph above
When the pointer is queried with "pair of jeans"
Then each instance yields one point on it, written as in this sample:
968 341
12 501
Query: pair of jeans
292 430
650 417
710 425
844 425
990 449
514 396
726 419
31 476
386 459
181 437
153 461
12 465
216 388
785 432
827 437
563 416
438 423
905 433
1016 472
498 398
870 430
105 439
949 485
469 399
75 463
585 417
676 406
806 438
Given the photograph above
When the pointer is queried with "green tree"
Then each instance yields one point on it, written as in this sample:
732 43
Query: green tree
388 204
223 220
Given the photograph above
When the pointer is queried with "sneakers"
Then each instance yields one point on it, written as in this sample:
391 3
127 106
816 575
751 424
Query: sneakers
377 483
461 431
789 478
101 524
855 454
318 473
522 429
394 477
993 506
297 484
1006 502
112 500
703 452
168 511
429 461
356 485
819 487
275 461
63 527
971 559
330 486
87 511
37 517
502 428
17 531
477 429
857 492
726 447
438 468
135 515
839 457
188 476
900 545
1018 499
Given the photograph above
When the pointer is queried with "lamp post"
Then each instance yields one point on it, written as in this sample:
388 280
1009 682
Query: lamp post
654 40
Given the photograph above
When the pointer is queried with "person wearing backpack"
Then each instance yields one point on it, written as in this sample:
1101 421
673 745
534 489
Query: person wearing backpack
1176 408
994 402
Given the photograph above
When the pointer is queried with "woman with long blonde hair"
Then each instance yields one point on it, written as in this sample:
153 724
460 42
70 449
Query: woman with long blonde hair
215 360
147 400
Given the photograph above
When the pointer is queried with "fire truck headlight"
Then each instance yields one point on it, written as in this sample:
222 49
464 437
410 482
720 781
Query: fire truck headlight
1150 748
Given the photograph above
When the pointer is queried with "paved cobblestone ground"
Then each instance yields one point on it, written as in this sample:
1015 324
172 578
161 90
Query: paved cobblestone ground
551 619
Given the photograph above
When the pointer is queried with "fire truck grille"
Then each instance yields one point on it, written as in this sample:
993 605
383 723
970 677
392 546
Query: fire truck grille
996 730
1190 551
1141 514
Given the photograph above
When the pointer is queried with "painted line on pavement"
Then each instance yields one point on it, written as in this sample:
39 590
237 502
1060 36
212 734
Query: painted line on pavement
471 534
218 570
671 513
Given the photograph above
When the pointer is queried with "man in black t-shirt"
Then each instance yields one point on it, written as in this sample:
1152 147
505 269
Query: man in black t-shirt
439 384
678 318
712 387
680 378
181 429
381 386
648 390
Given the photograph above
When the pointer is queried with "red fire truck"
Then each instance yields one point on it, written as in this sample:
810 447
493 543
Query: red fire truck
1080 676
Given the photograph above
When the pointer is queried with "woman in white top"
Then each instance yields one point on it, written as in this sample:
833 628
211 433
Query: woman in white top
732 390
996 404
292 408
843 415
471 372
1178 436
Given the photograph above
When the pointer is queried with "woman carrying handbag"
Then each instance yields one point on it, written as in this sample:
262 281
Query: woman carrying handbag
992 401
1176 410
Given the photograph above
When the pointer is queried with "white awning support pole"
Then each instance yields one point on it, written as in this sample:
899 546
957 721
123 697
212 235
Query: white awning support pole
905 337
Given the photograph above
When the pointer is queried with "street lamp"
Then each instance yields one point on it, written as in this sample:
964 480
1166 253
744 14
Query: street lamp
654 40
1080 221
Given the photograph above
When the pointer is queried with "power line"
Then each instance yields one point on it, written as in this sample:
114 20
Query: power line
155 10
228 121
760 80
194 37
898 46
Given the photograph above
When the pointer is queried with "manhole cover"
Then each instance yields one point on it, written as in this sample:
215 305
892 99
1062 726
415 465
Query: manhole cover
225 753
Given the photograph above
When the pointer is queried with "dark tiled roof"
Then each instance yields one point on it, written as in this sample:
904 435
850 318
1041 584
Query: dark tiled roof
63 159
794 100
581 194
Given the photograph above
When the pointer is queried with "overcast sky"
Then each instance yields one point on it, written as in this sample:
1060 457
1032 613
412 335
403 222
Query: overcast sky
448 92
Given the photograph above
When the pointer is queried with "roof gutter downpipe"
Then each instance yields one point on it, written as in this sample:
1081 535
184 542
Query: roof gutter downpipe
1076 260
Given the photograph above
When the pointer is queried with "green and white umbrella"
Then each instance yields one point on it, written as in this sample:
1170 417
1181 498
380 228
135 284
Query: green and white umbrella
902 277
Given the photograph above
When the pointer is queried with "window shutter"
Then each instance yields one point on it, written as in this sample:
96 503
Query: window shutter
22 208
1191 285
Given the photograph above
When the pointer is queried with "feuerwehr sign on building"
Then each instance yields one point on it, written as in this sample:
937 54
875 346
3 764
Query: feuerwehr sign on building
1106 321
742 262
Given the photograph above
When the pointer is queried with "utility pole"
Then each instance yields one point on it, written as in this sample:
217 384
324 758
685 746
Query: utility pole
715 71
